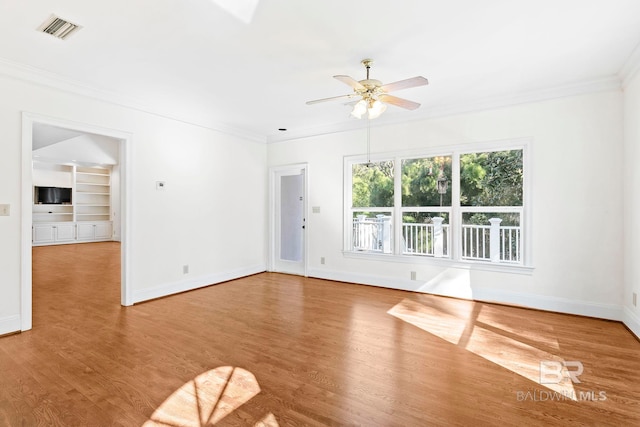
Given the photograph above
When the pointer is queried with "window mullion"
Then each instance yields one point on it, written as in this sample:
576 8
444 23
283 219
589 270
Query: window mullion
455 220
397 206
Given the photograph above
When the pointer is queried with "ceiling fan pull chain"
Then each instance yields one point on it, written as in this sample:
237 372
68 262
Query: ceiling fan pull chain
368 141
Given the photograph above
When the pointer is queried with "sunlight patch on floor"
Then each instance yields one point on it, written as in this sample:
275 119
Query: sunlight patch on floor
540 333
467 332
208 398
269 420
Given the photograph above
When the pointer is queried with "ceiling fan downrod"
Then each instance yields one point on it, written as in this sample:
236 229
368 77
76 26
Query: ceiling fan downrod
367 65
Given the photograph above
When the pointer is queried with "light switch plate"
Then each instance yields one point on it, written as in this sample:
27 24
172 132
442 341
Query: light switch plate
5 210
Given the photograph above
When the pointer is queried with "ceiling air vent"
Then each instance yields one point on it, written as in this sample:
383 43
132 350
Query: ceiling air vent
58 27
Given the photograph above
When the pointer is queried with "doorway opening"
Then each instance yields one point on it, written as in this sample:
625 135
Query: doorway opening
93 163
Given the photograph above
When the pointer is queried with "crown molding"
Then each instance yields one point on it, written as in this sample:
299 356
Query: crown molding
602 84
55 81
47 79
471 106
630 68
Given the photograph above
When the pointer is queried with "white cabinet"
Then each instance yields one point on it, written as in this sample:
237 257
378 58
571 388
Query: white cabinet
87 218
43 233
103 230
54 233
71 232
95 231
65 232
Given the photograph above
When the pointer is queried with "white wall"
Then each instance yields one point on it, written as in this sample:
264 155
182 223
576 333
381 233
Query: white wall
632 203
215 201
576 149
216 185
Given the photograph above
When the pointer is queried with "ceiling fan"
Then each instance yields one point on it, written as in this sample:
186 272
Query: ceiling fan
374 95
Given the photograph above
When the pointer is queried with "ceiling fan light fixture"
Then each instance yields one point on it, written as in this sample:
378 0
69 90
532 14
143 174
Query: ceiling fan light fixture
374 95
376 109
359 109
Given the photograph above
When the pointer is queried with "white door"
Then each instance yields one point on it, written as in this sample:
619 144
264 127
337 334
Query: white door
289 227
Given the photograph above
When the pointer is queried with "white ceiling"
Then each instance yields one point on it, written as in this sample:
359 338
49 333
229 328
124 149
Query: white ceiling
53 144
252 72
45 135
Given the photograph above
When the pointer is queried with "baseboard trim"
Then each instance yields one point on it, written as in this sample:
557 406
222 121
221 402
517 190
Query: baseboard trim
363 279
534 301
194 283
631 321
550 303
10 324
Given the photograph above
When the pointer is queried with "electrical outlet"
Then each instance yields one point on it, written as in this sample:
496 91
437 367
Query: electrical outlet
635 299
413 275
321 260
185 269
4 210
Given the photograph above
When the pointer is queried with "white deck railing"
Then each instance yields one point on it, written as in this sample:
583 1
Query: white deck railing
372 234
475 242
510 248
493 242
430 239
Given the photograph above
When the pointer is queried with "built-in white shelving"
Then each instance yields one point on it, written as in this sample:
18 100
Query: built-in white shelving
55 213
92 194
87 218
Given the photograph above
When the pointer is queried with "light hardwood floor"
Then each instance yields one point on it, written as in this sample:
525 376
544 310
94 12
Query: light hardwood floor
274 349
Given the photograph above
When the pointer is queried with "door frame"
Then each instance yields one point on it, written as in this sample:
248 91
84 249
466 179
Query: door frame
26 261
273 172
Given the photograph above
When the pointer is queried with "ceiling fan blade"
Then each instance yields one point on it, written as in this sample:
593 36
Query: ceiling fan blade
398 102
350 81
405 84
333 98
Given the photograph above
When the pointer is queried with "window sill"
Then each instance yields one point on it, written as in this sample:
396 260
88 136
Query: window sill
443 262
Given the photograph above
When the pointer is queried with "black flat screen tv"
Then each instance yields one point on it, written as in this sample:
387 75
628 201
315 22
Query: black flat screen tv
53 195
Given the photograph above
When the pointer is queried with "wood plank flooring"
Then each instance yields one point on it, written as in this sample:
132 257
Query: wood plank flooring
274 349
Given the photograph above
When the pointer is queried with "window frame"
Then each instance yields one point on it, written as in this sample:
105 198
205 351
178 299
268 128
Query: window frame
455 210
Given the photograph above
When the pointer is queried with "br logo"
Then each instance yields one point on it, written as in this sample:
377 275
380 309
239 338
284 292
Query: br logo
553 372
